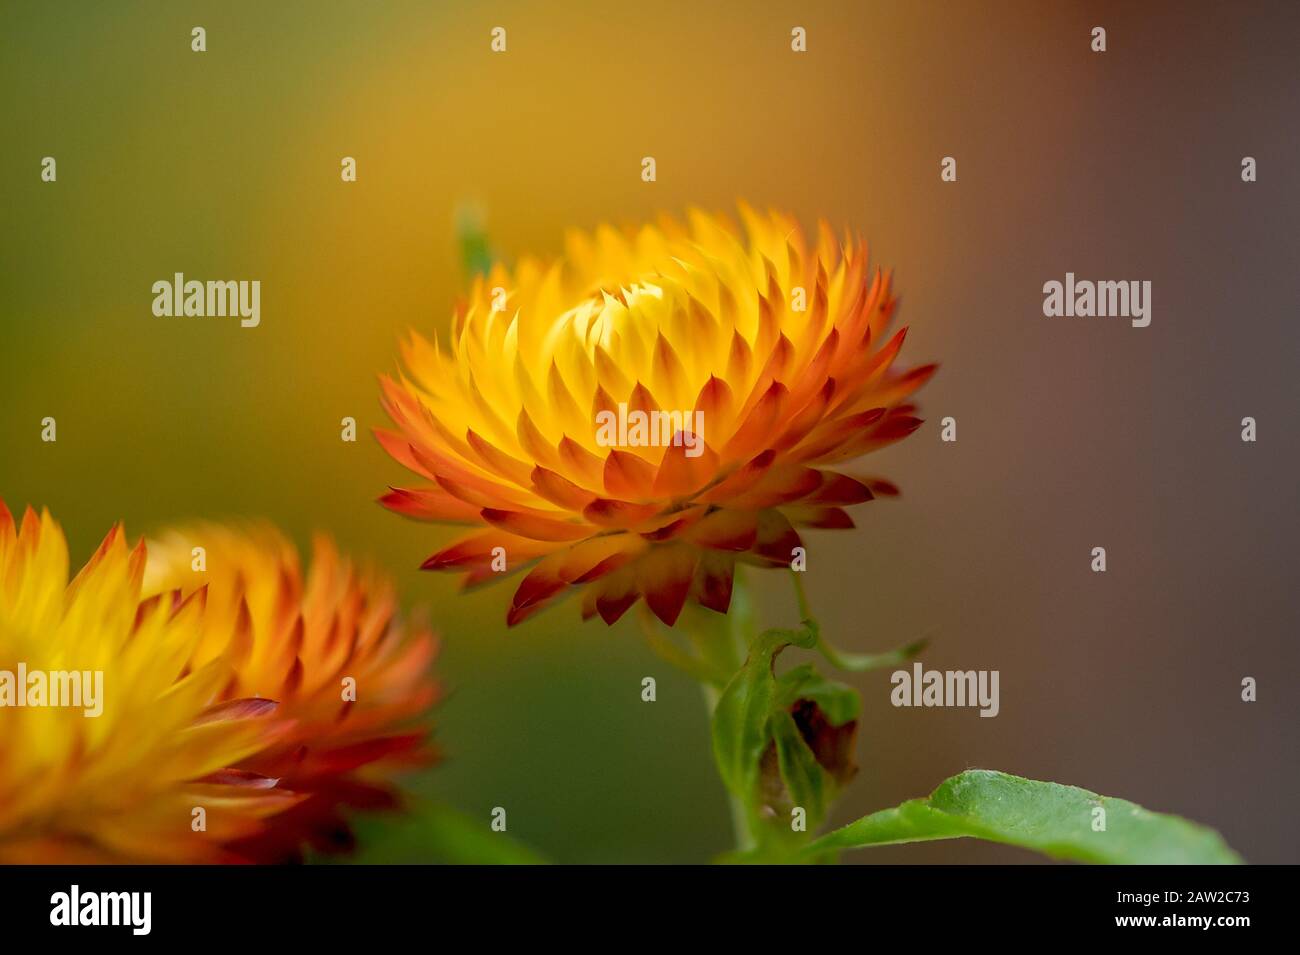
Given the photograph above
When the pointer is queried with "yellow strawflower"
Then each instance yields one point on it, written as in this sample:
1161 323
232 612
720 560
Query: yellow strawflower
225 715
634 417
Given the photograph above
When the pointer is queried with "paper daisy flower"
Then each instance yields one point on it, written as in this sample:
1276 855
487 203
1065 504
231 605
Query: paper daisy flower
110 736
633 418
151 712
350 679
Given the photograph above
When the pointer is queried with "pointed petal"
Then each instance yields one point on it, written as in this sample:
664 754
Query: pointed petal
687 465
628 476
428 504
534 527
726 529
559 490
713 581
665 574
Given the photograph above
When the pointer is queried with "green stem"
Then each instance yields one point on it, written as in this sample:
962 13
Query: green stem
842 660
805 613
716 652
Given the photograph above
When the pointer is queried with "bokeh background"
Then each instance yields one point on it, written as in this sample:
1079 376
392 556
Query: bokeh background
1071 433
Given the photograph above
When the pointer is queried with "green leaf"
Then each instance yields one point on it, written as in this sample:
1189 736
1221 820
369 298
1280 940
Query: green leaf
740 718
455 837
804 778
433 831
740 732
1050 818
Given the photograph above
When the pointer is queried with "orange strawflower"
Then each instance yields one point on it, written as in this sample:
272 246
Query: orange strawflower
350 679
169 715
117 776
636 416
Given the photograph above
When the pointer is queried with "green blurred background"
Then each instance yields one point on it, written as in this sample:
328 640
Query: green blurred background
225 165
